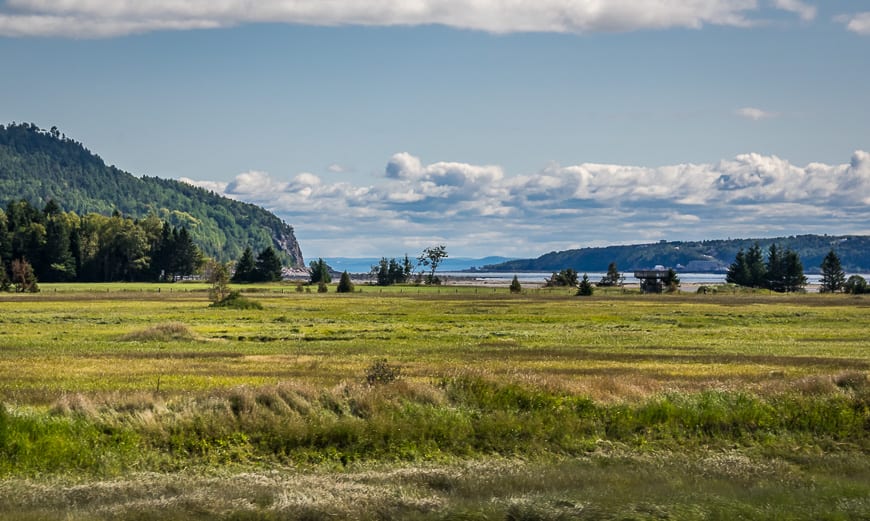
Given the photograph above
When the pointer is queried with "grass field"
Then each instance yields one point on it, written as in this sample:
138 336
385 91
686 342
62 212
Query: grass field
120 401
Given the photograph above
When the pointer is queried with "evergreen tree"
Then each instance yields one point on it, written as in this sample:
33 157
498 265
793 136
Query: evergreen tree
344 284
186 258
612 277
585 289
756 267
793 278
515 285
738 271
833 277
671 281
268 267
245 267
319 272
775 277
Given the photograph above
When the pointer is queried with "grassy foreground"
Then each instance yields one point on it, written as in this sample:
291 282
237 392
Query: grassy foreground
124 403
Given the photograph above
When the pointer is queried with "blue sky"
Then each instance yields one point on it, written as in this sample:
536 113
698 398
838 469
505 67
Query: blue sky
495 128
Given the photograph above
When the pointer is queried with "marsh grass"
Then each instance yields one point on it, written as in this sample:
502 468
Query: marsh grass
623 396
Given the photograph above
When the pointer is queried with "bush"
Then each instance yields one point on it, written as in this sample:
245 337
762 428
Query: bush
856 285
235 300
161 333
322 287
382 372
515 285
345 285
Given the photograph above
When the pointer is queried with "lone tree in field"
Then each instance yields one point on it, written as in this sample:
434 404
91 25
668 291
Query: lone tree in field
856 285
431 258
218 277
833 277
344 284
585 289
516 287
612 277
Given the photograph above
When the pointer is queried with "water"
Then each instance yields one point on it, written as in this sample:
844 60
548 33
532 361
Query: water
496 277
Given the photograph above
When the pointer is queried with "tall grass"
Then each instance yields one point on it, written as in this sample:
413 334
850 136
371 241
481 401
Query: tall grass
461 416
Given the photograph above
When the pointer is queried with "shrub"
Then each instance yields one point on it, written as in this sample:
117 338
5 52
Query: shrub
235 300
322 287
345 285
515 285
381 372
161 333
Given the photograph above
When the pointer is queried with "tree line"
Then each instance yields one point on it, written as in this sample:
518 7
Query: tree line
62 246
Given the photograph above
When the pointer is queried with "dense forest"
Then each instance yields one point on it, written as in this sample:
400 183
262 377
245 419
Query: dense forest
44 165
714 255
57 246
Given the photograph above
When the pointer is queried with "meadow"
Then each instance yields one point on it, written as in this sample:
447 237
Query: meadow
143 402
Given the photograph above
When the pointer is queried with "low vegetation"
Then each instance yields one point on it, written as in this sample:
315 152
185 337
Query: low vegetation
434 403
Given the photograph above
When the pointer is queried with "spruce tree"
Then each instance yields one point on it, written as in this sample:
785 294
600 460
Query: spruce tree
756 267
738 271
585 289
793 278
245 268
515 285
833 277
344 284
775 278
268 267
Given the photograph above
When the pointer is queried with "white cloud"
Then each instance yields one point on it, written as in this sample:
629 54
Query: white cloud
805 11
755 114
857 23
559 205
107 18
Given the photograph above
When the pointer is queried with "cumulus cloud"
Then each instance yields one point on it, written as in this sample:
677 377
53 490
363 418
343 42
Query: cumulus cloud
857 23
805 11
107 18
558 206
755 114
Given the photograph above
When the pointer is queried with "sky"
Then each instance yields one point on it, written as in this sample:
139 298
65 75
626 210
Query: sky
511 128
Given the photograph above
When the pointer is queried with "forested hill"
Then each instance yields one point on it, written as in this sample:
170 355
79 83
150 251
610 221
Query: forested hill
853 250
41 165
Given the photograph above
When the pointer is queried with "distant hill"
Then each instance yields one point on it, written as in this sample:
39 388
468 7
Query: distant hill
699 256
41 165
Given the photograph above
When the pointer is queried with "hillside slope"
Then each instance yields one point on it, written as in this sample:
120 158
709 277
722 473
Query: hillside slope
40 165
854 252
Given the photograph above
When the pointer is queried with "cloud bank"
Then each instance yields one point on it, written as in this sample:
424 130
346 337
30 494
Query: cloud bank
478 210
109 18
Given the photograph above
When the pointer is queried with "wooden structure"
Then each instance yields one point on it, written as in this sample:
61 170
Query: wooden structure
651 281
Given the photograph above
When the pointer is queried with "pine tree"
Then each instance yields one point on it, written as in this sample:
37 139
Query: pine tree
833 277
319 272
612 277
515 285
775 270
585 289
268 266
793 278
756 267
671 281
245 267
738 271
344 284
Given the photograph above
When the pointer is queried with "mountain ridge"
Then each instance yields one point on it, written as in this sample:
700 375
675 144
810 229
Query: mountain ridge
39 165
853 250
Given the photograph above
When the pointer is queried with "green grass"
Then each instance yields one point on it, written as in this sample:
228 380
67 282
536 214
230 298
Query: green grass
107 384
